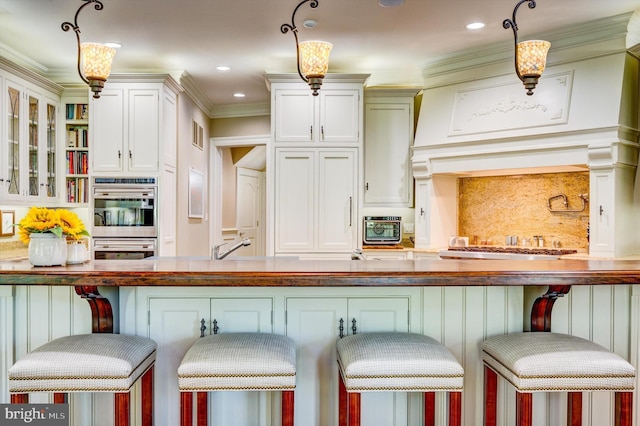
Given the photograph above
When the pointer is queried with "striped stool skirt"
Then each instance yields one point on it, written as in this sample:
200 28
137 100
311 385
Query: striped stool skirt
101 362
397 362
551 362
237 362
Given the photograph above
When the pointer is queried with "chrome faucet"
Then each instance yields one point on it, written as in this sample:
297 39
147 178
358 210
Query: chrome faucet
216 249
357 255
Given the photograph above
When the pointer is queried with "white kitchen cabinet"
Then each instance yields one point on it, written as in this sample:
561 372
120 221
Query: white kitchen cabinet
316 200
332 116
128 127
174 324
314 323
388 137
29 156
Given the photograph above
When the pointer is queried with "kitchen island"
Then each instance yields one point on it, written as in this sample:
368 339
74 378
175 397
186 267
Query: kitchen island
458 302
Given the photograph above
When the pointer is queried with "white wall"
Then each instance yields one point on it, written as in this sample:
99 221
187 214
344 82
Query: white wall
193 234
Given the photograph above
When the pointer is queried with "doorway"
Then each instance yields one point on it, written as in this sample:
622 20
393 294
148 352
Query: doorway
238 192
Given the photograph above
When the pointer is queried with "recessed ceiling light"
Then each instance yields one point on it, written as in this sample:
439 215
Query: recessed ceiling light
223 68
238 95
475 25
113 44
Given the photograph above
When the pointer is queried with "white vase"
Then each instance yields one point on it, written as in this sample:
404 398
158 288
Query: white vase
76 252
47 249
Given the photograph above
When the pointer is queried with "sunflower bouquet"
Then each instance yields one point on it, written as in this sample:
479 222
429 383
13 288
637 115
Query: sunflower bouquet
60 222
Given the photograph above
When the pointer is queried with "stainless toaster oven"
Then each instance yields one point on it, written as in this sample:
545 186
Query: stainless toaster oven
382 230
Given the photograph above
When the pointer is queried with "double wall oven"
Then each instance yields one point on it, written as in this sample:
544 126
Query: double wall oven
125 217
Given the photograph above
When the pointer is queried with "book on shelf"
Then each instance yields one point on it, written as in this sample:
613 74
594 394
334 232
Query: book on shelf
77 111
77 137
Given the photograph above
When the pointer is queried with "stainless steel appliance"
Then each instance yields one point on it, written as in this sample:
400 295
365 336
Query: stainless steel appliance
124 248
382 229
124 207
507 253
125 217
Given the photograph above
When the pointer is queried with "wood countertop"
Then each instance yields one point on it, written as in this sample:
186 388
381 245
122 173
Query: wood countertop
323 273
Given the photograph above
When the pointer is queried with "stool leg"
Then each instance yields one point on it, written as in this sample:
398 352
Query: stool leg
343 415
288 398
624 408
19 398
121 408
429 409
186 409
202 408
59 397
490 396
574 409
354 408
147 397
524 404
455 408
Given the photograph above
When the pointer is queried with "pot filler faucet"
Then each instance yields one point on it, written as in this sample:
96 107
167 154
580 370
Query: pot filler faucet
216 249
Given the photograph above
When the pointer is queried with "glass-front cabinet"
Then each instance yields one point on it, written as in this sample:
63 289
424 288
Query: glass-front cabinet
29 166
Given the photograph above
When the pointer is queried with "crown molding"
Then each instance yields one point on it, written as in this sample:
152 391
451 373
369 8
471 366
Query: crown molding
194 92
30 76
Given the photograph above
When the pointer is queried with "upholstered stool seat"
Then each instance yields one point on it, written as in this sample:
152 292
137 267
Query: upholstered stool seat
552 362
238 362
397 362
100 362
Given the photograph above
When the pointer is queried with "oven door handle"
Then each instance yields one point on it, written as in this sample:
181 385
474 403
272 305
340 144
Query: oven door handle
124 246
124 194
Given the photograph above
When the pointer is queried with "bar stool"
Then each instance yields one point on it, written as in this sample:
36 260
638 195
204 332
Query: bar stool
552 362
237 362
101 362
397 362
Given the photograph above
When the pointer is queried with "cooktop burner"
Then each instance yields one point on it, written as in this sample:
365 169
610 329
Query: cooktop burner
516 250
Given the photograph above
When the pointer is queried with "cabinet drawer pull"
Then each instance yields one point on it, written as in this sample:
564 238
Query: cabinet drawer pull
322 132
354 329
119 154
310 133
350 212
341 328
202 327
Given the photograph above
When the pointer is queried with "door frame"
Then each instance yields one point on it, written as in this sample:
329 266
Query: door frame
215 180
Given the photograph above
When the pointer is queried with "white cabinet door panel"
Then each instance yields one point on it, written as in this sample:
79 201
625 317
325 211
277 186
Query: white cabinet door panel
295 192
144 130
107 131
313 324
339 116
294 116
337 176
174 324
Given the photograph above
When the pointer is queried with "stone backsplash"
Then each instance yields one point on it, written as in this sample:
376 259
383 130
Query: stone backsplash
493 207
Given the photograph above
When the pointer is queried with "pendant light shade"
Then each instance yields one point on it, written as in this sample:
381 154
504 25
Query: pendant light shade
314 58
530 56
96 61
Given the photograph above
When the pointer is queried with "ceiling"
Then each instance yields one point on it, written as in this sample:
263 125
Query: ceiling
392 44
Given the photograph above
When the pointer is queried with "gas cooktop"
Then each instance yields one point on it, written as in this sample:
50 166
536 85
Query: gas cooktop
516 253
516 250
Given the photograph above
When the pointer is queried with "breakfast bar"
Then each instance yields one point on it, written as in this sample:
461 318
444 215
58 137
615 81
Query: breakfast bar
457 302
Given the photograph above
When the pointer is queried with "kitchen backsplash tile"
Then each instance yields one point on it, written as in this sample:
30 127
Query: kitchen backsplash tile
494 207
